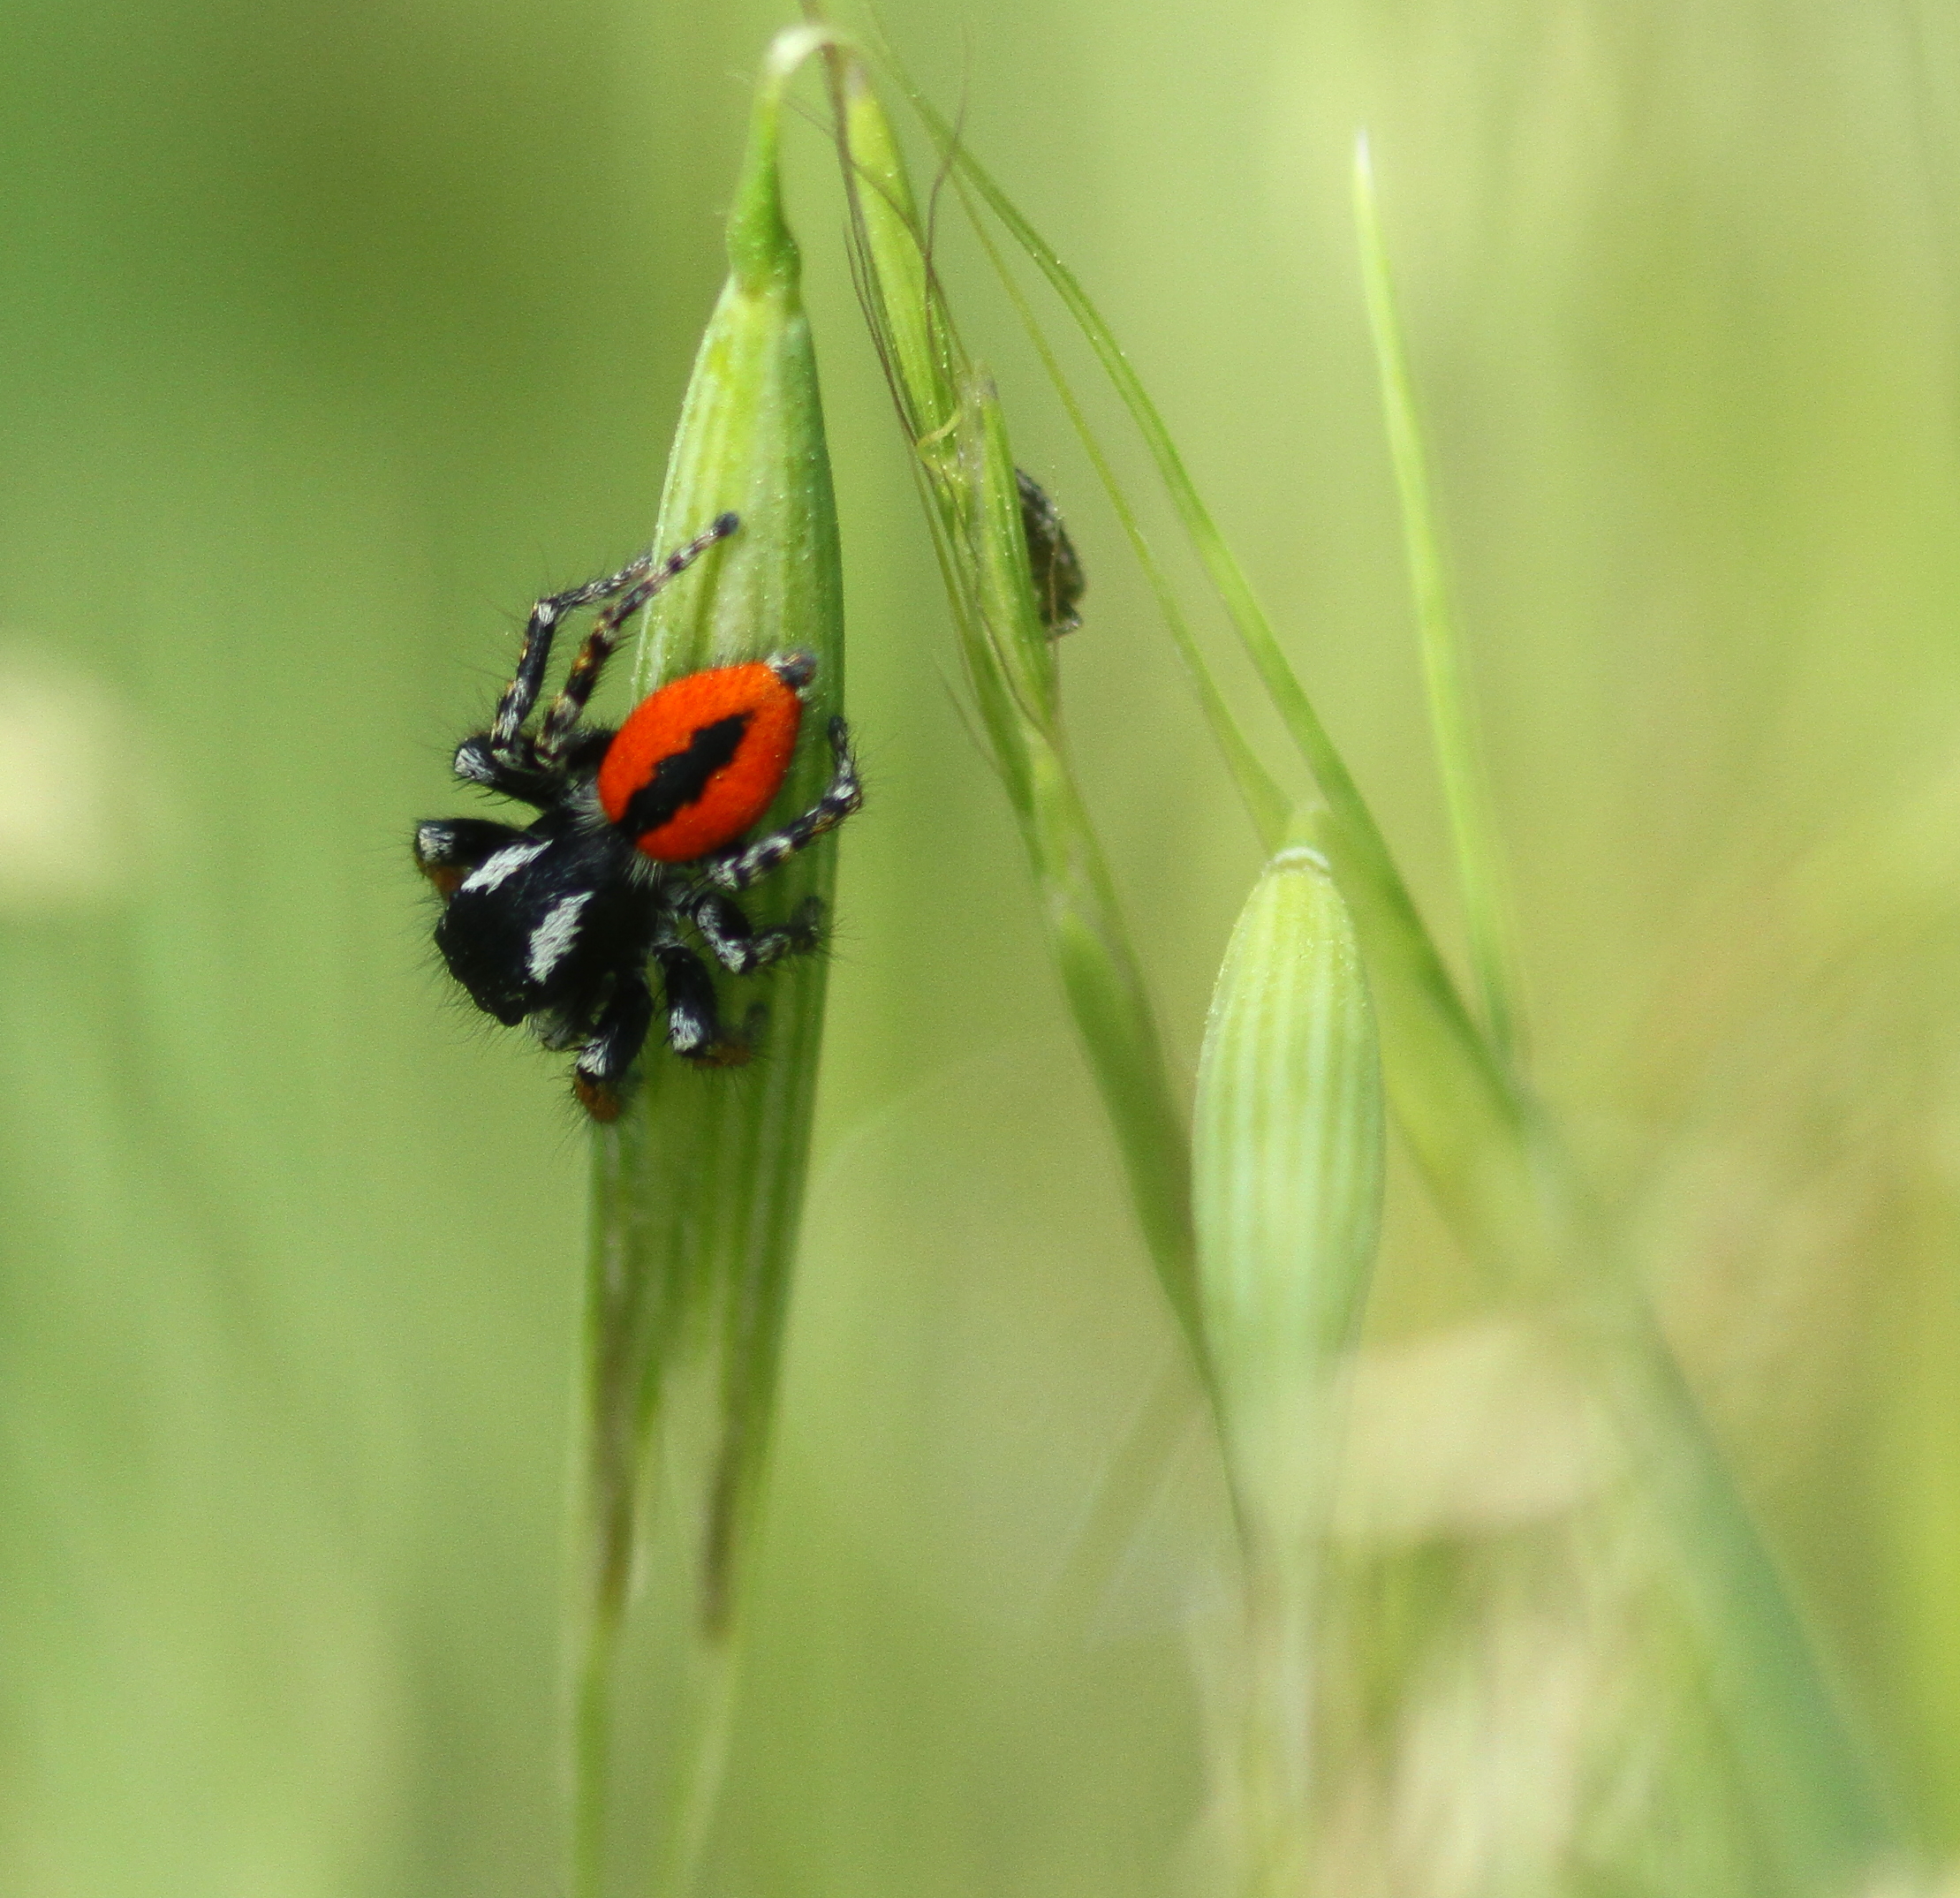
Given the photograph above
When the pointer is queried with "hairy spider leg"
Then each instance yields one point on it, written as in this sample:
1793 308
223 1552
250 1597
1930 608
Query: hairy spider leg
447 849
535 655
508 772
694 1011
569 706
739 868
737 944
615 1041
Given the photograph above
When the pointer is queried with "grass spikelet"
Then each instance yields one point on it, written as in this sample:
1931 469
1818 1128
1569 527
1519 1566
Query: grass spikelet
1288 1145
698 1191
952 417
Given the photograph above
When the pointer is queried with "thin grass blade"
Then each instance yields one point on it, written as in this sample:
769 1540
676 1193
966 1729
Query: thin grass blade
1467 792
952 417
1267 806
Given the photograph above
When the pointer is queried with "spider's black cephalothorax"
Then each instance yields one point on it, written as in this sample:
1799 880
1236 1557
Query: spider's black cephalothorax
637 845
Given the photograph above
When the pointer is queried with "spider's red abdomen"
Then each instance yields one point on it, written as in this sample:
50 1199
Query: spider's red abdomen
700 761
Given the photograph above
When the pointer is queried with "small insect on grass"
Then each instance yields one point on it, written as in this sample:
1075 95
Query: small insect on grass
1053 562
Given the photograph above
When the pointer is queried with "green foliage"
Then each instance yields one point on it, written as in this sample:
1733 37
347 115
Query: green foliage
334 336
1495 1162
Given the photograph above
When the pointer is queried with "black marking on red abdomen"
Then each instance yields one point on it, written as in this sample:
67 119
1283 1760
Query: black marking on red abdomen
681 777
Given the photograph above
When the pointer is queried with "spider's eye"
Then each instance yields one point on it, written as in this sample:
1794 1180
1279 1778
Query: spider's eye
700 761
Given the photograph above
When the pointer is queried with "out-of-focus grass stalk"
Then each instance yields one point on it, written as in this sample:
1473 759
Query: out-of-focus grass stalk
1288 1145
1809 1772
965 467
1493 962
699 1188
1503 1178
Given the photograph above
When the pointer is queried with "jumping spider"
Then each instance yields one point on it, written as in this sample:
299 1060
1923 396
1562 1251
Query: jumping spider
637 840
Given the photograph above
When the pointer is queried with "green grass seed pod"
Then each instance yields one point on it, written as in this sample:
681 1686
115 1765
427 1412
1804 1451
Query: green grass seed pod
1288 1149
699 1187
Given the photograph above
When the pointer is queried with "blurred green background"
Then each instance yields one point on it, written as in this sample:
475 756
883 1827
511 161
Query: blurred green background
330 336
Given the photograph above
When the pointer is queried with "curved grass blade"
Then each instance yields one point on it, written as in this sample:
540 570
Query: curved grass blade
1267 806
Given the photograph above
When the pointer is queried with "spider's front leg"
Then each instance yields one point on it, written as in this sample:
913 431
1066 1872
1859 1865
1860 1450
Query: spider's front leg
508 760
636 586
739 868
504 759
535 655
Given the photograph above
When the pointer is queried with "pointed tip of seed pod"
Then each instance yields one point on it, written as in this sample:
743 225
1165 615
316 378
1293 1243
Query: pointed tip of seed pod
1301 856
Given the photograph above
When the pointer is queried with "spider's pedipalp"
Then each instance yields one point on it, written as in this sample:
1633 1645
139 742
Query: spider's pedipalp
694 1027
447 848
598 1075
